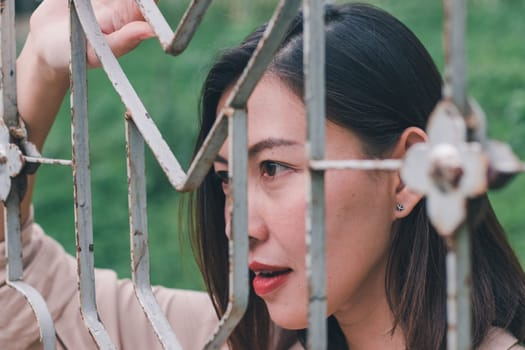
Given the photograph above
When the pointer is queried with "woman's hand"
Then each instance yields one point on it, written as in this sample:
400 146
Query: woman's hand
120 21
42 67
43 64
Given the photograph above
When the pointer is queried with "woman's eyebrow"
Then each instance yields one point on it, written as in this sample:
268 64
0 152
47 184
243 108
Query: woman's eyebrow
268 143
220 159
260 146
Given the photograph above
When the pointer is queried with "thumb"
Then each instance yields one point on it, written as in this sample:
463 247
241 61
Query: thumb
124 40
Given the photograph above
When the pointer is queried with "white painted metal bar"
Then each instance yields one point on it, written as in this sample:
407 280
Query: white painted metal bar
188 25
206 154
238 171
156 20
139 238
455 86
464 284
10 119
458 266
15 271
238 248
152 136
43 160
266 48
264 52
141 117
314 90
458 262
15 267
12 232
174 43
82 184
357 164
8 57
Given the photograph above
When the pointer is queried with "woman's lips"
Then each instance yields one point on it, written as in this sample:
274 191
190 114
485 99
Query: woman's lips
268 277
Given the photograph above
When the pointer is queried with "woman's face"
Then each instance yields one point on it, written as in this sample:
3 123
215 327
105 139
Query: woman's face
360 210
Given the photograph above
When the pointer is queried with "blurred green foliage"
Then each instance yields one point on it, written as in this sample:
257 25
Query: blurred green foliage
170 90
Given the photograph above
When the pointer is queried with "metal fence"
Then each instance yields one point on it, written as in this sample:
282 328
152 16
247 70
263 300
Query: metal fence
449 149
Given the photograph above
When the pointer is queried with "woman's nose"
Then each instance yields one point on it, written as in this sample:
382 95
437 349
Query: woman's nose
257 225
257 230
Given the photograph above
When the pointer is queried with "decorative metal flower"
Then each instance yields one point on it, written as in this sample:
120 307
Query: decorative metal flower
11 161
446 169
503 163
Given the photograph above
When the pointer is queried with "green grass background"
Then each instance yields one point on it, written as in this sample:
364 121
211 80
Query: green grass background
170 90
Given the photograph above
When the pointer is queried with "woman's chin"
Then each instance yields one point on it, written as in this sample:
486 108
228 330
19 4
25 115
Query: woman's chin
290 320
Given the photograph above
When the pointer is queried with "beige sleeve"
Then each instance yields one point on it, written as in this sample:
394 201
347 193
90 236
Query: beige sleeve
499 339
46 269
49 269
190 314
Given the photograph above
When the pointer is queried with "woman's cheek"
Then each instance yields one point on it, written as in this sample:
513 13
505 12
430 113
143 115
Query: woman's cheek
227 218
292 215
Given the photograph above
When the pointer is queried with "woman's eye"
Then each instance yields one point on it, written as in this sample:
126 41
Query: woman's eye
222 176
270 169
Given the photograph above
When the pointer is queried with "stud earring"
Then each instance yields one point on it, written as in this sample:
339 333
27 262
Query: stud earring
400 207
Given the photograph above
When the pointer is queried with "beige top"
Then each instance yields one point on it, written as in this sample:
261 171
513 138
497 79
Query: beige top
498 338
49 269
53 272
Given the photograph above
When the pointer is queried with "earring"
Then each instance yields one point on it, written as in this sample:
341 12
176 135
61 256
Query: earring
400 207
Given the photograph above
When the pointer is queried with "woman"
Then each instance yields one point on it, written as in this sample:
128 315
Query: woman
385 263
385 266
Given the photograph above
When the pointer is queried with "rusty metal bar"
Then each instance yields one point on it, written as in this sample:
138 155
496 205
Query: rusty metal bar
314 87
8 57
206 154
254 70
458 255
187 26
10 119
459 267
43 316
452 306
139 238
262 56
43 160
15 271
141 117
356 164
172 43
464 284
156 20
82 184
238 210
13 239
455 86
264 52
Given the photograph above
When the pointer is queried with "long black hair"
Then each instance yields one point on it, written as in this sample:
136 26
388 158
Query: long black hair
380 80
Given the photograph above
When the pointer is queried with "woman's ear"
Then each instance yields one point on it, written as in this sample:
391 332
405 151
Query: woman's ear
406 199
408 138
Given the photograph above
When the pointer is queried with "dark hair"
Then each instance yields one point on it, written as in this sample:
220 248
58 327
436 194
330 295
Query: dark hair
380 80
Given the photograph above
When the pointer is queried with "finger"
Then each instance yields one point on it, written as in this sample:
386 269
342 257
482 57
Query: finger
124 40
